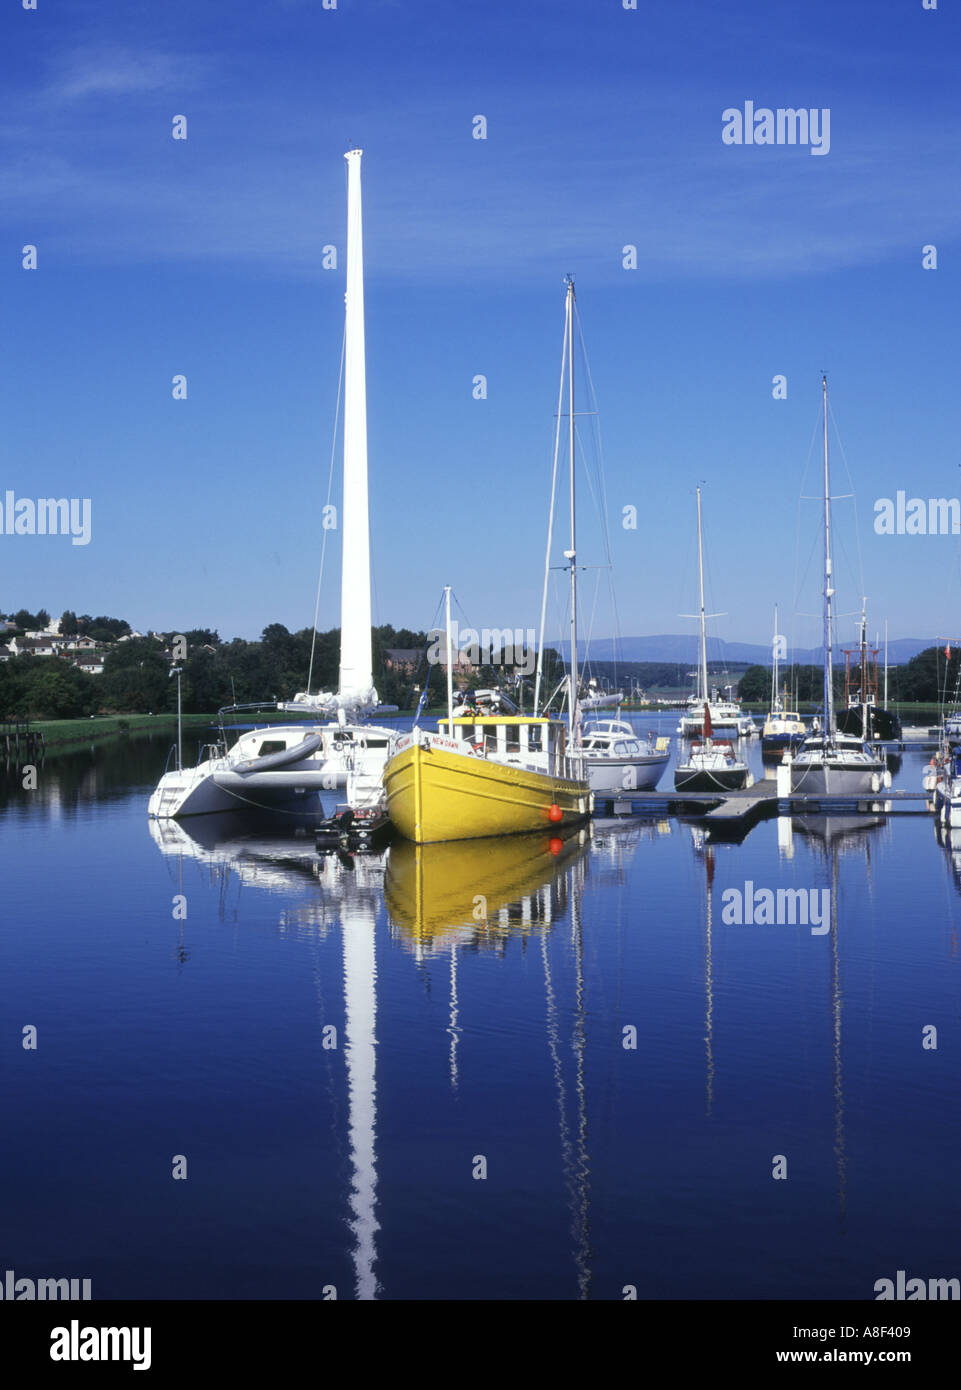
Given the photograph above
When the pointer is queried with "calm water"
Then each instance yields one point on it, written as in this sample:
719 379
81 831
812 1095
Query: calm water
335 1051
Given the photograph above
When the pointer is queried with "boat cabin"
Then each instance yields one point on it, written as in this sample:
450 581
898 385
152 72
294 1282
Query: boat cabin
614 738
539 744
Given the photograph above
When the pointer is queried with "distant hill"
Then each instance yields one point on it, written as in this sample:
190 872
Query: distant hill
683 647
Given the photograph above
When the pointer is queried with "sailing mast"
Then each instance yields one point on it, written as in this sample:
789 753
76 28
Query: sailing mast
885 663
775 706
356 676
571 555
864 667
700 580
828 591
450 665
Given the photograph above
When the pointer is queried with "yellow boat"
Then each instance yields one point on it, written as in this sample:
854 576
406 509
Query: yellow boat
498 775
479 889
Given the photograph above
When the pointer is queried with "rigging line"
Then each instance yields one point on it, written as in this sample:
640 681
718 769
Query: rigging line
330 484
590 629
857 529
550 527
600 471
599 508
797 541
416 672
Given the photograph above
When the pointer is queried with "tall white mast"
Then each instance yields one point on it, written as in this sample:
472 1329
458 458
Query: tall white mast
571 554
828 591
356 678
863 656
774 699
700 580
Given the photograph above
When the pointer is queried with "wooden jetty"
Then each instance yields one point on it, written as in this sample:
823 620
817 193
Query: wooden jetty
20 740
740 809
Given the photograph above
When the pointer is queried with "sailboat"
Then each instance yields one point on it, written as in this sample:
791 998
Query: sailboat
862 715
283 767
828 762
616 758
491 773
726 716
784 728
711 765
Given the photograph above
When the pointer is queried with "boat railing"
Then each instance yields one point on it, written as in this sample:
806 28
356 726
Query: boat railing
210 751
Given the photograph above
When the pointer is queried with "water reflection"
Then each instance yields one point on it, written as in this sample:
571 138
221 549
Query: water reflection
835 837
441 901
478 893
251 852
704 850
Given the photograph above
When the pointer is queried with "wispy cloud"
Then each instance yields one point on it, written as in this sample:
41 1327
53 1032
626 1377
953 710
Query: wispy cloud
97 71
572 181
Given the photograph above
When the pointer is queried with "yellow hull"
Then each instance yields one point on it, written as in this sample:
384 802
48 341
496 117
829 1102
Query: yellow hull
433 794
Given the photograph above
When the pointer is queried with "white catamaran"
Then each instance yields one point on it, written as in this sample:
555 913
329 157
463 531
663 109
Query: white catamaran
282 766
830 763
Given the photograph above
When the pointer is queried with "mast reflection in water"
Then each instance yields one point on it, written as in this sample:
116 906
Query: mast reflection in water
513 1070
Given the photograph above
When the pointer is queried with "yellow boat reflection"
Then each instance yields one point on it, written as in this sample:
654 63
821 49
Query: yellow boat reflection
480 889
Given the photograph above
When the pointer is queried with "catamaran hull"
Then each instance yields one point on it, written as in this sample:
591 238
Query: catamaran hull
216 786
178 795
434 794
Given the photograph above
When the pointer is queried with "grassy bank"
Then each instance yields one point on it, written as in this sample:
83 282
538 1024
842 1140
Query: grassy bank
71 733
62 733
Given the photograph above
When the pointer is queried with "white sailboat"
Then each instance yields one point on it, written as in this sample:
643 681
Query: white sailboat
284 766
711 765
726 716
615 757
830 763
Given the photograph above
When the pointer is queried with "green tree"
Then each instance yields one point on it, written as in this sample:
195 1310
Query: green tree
136 678
755 684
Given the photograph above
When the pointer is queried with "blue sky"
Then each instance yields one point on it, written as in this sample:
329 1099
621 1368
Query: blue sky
203 257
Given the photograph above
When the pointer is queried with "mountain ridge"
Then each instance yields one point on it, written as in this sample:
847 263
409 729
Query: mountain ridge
683 648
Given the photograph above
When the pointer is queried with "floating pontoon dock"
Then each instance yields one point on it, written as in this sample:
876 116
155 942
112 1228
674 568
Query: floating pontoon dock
742 808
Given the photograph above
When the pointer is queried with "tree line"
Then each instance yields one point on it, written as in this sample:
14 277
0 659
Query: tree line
136 673
928 678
